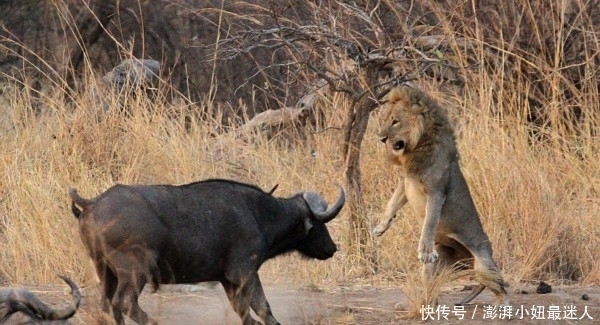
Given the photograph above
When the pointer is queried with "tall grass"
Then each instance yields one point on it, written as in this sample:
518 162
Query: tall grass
538 200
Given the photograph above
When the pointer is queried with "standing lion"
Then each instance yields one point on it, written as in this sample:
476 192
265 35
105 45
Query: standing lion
420 139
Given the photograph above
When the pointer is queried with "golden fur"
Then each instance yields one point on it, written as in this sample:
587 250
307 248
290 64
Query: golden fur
419 139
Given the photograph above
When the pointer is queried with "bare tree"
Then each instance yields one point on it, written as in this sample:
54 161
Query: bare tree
354 61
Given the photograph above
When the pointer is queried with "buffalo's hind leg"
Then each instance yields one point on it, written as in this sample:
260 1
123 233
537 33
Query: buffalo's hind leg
132 278
239 302
108 283
258 301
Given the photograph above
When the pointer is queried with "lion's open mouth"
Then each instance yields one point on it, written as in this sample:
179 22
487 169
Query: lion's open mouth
399 145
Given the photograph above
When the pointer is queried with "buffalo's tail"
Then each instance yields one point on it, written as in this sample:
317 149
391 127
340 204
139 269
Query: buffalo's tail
78 201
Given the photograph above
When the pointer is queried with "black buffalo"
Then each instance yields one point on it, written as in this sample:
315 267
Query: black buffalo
213 230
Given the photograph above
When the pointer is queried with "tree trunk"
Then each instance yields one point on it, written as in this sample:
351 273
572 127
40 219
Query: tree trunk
359 240
88 29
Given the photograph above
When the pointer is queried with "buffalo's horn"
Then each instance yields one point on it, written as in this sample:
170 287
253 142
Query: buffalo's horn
318 206
68 311
24 301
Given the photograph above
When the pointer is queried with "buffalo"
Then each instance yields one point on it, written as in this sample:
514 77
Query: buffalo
212 230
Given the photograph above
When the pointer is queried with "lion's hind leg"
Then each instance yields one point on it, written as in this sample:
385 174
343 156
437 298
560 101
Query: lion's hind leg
452 257
486 273
474 293
455 256
462 259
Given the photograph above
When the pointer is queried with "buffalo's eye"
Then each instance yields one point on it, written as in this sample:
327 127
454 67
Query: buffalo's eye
399 145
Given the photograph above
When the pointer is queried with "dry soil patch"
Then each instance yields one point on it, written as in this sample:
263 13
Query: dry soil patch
293 304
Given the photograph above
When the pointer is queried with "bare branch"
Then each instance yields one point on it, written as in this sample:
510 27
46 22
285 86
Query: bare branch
273 117
285 115
333 85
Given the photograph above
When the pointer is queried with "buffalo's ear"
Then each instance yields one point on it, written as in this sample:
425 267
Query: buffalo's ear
273 189
307 225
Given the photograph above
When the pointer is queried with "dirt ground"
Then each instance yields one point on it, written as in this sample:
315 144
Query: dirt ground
293 304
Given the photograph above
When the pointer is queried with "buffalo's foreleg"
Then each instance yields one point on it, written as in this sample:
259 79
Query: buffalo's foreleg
258 301
239 302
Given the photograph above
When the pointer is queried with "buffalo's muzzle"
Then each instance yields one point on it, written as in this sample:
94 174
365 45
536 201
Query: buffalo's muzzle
328 254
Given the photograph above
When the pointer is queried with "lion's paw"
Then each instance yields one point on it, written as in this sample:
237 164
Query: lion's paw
427 254
380 229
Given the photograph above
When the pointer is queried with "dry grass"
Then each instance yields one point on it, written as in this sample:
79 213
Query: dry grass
538 200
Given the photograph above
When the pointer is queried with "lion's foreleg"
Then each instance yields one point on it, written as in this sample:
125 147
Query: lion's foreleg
396 202
433 209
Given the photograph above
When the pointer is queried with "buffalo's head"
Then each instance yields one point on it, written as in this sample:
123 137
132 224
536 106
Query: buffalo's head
318 242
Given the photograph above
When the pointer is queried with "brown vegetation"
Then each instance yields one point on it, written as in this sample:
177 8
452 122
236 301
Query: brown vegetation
524 97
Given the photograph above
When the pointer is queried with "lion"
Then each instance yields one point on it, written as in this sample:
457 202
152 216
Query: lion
420 139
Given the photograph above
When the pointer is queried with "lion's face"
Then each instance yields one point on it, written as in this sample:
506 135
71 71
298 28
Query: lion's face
402 125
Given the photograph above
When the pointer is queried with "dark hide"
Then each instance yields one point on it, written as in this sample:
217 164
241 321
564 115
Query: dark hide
214 230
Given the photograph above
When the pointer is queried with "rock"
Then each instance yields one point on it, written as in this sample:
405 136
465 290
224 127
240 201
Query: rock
543 288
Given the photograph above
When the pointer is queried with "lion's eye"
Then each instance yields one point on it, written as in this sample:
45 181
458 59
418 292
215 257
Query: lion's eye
394 122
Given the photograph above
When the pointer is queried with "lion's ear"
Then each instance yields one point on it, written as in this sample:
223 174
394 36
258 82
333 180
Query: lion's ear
416 108
422 106
416 132
419 107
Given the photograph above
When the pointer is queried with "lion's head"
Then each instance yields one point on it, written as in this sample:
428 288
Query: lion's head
402 125
410 120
